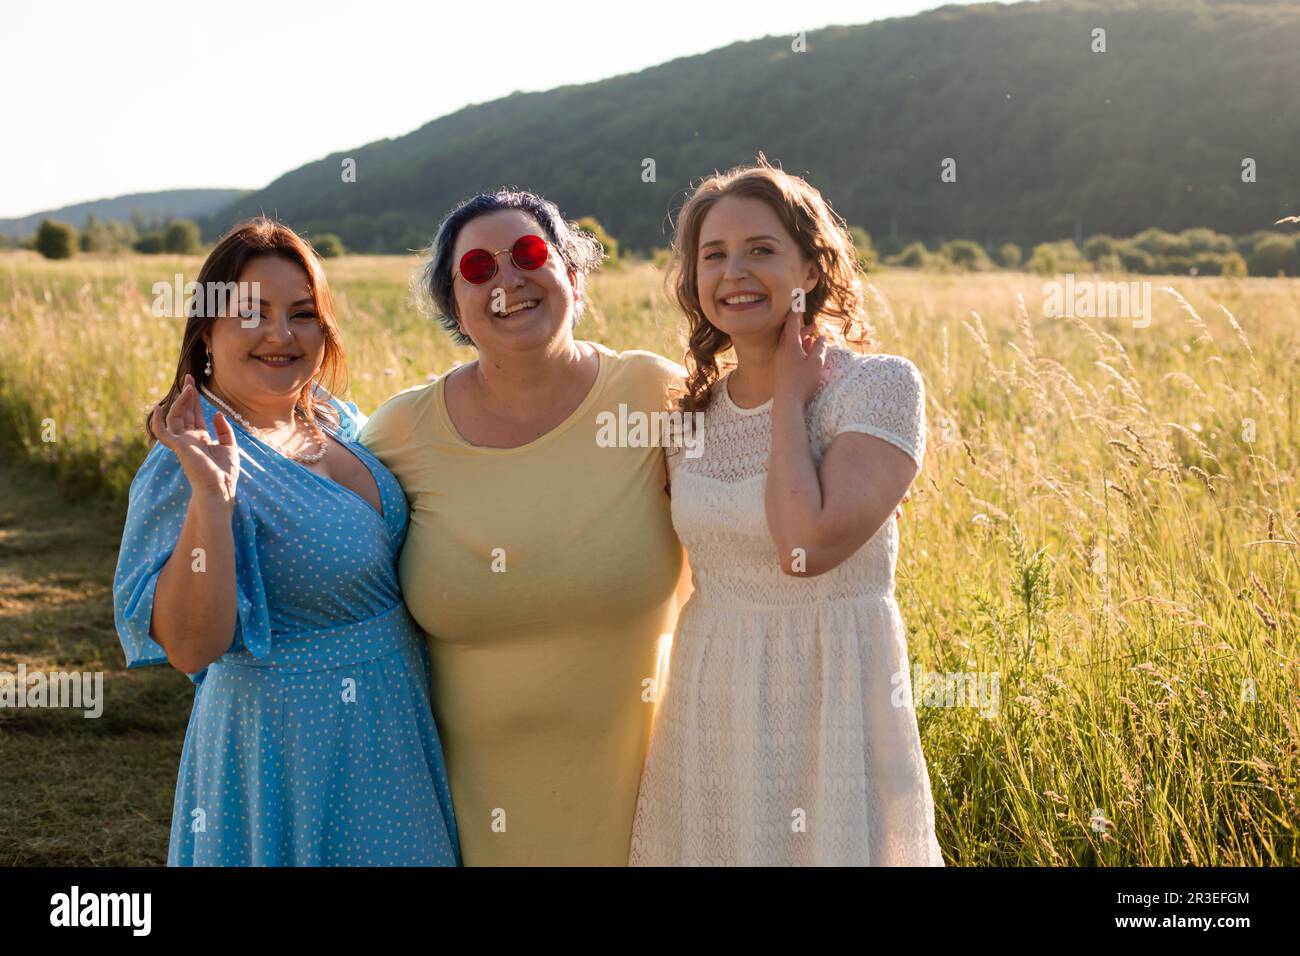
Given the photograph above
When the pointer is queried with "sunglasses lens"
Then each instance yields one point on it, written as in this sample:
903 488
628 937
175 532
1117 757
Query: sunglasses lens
530 252
477 266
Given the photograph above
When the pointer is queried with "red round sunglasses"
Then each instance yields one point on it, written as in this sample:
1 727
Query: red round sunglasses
478 265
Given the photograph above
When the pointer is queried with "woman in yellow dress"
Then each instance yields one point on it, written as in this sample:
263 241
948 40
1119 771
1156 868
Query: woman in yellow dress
541 559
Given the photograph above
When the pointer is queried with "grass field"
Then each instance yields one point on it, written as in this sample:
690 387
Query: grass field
1107 521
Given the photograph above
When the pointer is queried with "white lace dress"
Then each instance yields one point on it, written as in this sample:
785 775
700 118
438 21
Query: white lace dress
785 731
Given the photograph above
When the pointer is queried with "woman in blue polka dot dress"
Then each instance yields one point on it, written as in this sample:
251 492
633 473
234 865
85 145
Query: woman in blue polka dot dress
262 562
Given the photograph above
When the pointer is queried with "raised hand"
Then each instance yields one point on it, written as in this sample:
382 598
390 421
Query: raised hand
211 465
800 357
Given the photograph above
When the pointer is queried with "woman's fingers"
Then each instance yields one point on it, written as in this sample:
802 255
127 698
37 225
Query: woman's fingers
176 414
793 333
184 416
225 434
184 400
180 403
159 423
193 410
811 342
819 348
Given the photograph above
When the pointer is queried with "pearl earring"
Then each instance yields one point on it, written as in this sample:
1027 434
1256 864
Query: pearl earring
207 369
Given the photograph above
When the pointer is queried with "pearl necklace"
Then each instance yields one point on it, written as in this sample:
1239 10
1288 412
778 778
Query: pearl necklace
308 459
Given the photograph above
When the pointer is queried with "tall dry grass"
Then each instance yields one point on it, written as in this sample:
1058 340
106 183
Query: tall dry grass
1107 524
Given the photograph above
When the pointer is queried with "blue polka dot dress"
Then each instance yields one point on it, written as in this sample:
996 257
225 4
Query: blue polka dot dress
311 741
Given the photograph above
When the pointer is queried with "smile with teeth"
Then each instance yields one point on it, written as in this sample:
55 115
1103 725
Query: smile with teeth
518 307
743 298
277 360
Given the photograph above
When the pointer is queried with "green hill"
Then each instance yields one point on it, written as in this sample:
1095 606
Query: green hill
1050 139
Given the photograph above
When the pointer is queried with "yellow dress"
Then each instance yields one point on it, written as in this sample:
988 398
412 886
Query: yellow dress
544 578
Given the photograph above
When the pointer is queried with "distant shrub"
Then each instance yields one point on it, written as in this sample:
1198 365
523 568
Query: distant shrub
1009 255
182 237
1273 254
107 236
1197 241
1246 243
1049 258
966 255
661 258
328 245
1043 260
1097 246
94 236
1234 265
913 256
151 243
1208 264
1160 243
865 249
56 240
589 224
1136 260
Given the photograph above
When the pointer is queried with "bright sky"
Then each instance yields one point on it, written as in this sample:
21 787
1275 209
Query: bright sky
102 99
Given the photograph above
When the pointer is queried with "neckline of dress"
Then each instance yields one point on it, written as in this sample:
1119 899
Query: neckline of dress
380 513
604 356
724 383
726 397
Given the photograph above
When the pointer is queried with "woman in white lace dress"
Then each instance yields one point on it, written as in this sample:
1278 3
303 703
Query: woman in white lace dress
786 733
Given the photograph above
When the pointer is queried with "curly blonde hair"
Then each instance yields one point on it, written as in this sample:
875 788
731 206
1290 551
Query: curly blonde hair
835 304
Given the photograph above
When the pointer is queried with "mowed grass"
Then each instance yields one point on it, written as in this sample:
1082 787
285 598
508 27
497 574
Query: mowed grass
1107 525
78 790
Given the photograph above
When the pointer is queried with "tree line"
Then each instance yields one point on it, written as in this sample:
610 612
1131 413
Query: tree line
1199 251
60 240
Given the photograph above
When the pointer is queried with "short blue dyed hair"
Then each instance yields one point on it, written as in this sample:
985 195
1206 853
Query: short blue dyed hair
581 252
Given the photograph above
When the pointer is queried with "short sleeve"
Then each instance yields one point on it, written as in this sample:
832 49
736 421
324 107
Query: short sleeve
655 384
387 432
156 508
351 420
662 374
157 504
882 396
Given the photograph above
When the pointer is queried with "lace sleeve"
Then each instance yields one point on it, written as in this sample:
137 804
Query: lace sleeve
882 396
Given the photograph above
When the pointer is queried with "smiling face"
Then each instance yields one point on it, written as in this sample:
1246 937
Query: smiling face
517 308
747 268
272 359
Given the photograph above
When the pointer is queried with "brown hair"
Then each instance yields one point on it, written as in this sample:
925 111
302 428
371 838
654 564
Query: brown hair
248 240
835 304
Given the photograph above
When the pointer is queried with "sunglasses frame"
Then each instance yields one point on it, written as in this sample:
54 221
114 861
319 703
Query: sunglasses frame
510 249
